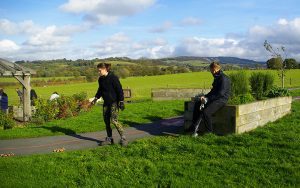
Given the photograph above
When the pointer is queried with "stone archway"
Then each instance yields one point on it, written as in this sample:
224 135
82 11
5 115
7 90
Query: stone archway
23 75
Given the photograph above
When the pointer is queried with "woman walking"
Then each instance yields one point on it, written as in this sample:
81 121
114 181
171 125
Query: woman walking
110 89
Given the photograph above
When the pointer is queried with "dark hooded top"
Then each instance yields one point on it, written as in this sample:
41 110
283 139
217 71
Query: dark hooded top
110 89
220 88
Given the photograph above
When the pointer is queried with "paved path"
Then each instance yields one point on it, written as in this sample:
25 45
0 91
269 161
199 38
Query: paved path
48 144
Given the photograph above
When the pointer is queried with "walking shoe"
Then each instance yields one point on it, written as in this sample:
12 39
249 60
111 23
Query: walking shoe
123 142
107 141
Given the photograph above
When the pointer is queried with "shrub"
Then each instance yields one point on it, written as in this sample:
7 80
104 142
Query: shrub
6 121
79 97
62 107
239 83
45 110
278 92
268 82
241 99
257 84
67 107
260 84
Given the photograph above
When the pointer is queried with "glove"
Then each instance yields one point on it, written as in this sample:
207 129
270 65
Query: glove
94 101
121 105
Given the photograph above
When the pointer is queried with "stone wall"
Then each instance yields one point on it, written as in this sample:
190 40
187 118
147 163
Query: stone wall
176 93
245 117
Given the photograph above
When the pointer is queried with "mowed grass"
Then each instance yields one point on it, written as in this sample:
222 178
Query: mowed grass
141 86
134 114
266 157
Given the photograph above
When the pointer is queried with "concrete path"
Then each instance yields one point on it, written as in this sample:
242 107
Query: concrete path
49 144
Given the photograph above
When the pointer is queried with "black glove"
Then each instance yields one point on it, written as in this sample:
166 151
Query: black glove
121 105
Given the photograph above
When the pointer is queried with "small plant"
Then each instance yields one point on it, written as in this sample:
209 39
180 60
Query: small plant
241 99
6 121
278 92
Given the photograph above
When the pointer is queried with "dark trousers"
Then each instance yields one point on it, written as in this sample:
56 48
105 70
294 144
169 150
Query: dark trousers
110 115
206 114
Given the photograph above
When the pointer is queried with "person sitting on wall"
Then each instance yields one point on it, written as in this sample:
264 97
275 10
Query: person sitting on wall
215 99
3 101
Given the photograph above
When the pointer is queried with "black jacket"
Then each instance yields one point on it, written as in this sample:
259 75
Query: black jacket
110 89
221 88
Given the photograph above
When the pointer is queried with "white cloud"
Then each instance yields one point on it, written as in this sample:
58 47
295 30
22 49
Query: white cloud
250 45
105 11
162 28
195 46
8 46
190 21
11 28
120 45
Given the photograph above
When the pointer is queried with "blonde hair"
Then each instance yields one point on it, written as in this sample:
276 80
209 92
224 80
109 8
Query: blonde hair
215 65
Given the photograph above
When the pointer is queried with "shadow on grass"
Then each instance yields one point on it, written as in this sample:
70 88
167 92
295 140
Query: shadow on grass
69 132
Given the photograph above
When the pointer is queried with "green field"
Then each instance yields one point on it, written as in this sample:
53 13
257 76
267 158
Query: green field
266 157
141 86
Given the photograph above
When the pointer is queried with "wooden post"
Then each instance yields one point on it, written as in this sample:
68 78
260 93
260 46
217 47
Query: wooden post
26 97
25 81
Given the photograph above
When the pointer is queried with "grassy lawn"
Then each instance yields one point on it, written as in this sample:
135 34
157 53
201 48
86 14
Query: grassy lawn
134 114
141 86
266 157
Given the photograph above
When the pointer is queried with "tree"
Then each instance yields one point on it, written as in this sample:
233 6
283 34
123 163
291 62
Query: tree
274 63
290 63
280 54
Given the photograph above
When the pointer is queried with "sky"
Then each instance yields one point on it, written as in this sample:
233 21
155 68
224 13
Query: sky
88 29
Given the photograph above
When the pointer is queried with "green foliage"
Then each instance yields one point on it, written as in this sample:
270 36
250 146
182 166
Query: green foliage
6 121
46 110
67 106
239 83
274 63
260 84
268 82
278 92
241 99
79 97
290 63
62 107
265 157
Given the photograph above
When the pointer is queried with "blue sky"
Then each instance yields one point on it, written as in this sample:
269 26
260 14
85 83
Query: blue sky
86 29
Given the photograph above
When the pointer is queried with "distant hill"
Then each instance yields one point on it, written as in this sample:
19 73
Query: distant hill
206 60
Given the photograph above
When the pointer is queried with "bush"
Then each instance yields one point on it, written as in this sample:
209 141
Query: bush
67 107
241 99
62 107
260 84
239 83
6 121
79 97
46 110
278 92
268 82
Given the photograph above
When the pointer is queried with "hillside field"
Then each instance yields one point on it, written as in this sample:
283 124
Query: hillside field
141 86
